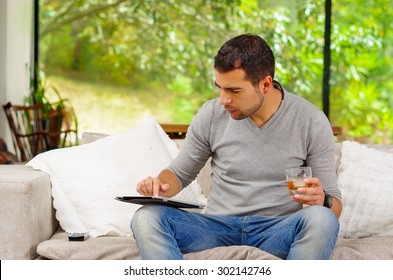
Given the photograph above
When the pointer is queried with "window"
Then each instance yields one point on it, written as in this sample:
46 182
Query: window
120 60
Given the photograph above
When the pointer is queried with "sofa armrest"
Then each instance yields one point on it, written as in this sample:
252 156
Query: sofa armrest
26 212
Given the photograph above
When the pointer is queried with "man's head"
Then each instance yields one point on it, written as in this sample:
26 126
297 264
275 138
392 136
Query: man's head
248 52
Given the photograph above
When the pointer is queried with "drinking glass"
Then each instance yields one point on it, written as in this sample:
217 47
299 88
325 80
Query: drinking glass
295 178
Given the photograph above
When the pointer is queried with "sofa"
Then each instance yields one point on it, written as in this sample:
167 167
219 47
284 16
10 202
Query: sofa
30 230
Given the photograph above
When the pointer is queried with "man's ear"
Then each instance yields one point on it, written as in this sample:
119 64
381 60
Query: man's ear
265 84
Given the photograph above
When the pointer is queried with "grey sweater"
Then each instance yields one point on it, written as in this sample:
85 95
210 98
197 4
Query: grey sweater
249 163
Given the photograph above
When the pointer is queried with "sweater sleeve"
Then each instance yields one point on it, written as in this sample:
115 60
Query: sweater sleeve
321 151
196 150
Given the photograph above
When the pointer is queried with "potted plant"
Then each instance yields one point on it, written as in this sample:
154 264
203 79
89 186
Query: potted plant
59 115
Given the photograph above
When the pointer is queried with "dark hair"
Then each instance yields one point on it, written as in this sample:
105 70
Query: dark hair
248 52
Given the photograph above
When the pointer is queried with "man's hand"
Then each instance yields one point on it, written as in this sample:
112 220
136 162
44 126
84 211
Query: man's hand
311 195
152 187
165 184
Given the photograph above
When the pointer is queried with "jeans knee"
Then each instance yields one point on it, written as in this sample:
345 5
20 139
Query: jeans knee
321 219
151 226
145 219
316 233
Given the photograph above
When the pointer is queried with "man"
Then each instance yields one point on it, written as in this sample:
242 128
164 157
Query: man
253 132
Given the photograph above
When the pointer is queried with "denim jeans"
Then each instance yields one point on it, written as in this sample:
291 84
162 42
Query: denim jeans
164 232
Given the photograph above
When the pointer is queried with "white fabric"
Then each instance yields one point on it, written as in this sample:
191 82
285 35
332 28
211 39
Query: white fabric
85 179
366 183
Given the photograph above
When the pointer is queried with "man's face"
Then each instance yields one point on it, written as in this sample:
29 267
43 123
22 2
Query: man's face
237 94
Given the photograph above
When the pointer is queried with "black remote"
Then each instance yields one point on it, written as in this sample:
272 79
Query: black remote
78 236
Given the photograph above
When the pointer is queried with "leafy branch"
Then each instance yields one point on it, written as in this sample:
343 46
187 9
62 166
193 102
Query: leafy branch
66 17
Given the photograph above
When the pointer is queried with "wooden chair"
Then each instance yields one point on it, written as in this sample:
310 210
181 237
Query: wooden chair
69 126
27 132
34 131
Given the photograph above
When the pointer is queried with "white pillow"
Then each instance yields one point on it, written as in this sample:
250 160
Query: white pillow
85 179
366 183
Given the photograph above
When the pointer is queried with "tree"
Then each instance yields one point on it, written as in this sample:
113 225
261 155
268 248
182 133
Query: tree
172 44
362 58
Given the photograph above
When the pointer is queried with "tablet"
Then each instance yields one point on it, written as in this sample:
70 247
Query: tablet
158 200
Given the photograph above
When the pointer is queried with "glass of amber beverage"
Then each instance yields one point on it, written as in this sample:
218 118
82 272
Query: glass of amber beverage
295 178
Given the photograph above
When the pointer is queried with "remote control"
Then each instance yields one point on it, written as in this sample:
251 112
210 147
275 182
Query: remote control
79 236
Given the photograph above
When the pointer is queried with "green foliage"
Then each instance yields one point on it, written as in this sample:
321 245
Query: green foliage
171 44
361 71
44 93
364 114
184 99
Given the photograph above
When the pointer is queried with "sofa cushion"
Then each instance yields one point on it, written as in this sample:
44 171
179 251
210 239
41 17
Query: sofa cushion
124 248
370 248
366 182
100 248
86 179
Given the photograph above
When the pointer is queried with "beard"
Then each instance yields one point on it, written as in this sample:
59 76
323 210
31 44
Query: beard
247 112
